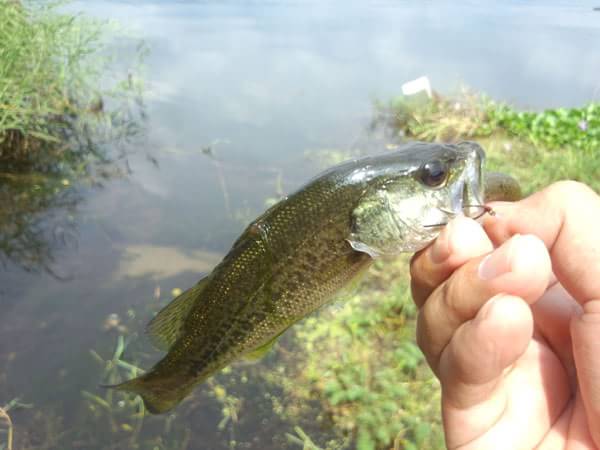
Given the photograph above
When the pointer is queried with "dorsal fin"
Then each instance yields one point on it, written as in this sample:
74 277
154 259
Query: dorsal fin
166 327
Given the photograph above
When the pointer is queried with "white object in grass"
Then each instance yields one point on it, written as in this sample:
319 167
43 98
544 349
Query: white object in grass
418 85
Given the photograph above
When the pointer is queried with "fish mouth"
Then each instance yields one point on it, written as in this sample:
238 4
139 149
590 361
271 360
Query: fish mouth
472 211
466 202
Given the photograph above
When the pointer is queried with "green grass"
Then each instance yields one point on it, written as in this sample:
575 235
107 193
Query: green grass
54 82
42 73
62 101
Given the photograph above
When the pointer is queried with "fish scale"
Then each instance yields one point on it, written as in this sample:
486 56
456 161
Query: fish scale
287 293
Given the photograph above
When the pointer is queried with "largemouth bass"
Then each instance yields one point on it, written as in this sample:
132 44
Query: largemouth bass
294 257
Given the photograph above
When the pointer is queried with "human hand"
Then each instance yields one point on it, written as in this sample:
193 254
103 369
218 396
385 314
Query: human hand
514 335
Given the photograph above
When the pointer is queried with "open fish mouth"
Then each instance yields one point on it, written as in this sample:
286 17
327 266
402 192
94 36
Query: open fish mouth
472 211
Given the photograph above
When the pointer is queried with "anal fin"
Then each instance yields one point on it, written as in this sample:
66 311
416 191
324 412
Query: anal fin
167 326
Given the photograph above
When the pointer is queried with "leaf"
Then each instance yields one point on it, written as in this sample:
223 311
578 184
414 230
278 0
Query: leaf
365 441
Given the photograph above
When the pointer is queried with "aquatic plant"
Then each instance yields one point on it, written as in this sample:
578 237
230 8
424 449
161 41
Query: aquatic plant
7 422
556 129
302 439
113 418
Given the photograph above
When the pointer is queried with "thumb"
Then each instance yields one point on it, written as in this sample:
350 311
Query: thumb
585 332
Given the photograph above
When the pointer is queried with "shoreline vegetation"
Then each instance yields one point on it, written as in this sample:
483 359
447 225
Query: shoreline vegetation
66 116
538 147
373 391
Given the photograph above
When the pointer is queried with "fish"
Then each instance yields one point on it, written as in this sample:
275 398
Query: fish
297 255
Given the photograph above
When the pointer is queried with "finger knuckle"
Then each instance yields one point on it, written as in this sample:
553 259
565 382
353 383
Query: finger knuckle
422 340
568 190
416 266
426 341
419 293
450 294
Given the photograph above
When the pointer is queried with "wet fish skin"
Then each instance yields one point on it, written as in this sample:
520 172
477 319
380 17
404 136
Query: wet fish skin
294 257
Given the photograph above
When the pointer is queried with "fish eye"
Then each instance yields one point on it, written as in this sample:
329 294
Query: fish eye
433 173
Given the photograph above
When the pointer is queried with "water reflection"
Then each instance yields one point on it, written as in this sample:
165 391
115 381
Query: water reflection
32 219
40 186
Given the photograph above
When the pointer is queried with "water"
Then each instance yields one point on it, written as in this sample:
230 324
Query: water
262 83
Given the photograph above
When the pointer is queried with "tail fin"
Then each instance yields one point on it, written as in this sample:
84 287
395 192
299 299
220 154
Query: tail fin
160 394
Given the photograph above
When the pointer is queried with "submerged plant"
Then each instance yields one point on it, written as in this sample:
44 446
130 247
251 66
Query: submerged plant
124 415
7 422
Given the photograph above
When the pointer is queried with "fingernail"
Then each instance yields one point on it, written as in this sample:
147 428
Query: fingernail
460 235
499 261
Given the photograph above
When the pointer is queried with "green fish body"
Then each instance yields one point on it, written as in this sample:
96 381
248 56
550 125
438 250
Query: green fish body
294 257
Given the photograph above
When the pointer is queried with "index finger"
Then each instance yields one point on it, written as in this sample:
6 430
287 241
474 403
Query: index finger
461 240
565 216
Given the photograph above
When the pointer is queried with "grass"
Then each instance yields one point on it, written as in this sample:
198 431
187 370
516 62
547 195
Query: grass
55 81
66 117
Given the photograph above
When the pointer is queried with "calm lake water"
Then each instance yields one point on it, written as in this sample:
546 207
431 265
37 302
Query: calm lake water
266 84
